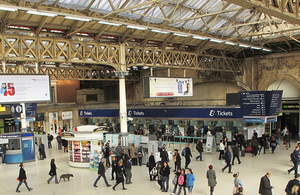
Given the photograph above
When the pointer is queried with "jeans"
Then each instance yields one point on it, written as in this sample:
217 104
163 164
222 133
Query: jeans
273 146
165 187
20 183
175 188
228 165
200 156
190 189
295 167
105 180
56 181
184 191
264 149
128 176
49 144
278 140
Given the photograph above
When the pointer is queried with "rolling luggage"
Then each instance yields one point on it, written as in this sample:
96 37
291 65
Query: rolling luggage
243 153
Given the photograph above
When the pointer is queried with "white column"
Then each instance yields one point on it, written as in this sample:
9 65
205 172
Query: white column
23 118
151 71
121 73
36 67
184 72
3 66
169 72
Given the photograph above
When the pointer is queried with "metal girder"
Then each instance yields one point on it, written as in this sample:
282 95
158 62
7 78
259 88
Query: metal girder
50 50
70 73
279 10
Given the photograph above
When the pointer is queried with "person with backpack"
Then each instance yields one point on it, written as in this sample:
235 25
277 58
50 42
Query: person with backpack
212 179
187 154
182 181
295 159
175 180
273 143
190 179
291 184
199 147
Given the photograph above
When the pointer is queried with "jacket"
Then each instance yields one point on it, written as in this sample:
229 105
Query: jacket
227 156
199 147
178 159
114 165
128 165
22 174
119 151
265 187
106 152
236 150
163 156
52 170
296 155
290 185
211 176
120 172
132 150
190 178
188 153
166 171
101 169
151 161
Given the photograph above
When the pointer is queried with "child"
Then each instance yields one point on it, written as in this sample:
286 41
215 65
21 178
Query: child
114 167
182 181
190 178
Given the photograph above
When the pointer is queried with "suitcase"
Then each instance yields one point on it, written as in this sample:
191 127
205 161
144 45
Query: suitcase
248 149
243 153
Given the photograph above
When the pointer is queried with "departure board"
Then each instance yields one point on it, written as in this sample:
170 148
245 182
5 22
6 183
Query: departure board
260 103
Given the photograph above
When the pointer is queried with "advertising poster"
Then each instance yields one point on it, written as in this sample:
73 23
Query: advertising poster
28 150
170 87
24 88
209 142
53 122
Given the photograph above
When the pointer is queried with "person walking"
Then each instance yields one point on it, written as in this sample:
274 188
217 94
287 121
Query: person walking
236 153
295 159
106 155
278 133
166 177
265 187
128 167
49 138
101 173
199 148
263 143
119 152
190 179
177 160
114 165
22 178
42 151
273 143
182 181
120 177
227 160
236 183
151 166
3 150
287 139
140 155
291 184
212 179
52 172
177 174
221 147
188 155
132 154
254 144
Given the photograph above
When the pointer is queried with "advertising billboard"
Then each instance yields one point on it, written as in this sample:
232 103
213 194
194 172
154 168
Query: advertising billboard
24 88
167 87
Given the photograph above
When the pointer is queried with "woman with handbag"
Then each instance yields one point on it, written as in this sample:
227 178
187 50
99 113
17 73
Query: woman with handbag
182 181
52 172
140 155
190 178
166 176
120 177
212 179
237 183
22 178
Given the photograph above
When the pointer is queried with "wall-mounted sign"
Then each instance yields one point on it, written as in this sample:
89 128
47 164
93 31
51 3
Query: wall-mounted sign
290 106
66 115
167 87
24 88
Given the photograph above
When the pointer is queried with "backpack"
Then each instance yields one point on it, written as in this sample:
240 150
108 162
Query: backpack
292 156
183 152
175 180
181 180
197 147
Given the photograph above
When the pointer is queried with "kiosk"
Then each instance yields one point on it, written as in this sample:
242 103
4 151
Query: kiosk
81 143
20 147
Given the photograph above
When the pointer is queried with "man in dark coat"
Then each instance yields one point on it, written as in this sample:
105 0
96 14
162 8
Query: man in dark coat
292 183
227 160
236 153
178 161
295 159
151 165
101 173
42 151
163 155
188 156
199 147
265 187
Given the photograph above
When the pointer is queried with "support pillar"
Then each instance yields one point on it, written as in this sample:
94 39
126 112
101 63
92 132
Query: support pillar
121 73
169 72
184 72
36 67
23 118
4 66
151 71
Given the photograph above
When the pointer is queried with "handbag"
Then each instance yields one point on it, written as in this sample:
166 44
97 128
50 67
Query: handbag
18 179
175 180
174 159
140 155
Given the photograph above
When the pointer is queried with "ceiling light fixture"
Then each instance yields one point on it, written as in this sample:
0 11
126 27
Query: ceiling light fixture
229 43
200 37
41 13
11 9
159 31
181 35
246 46
137 27
109 23
77 18
258 48
265 49
216 40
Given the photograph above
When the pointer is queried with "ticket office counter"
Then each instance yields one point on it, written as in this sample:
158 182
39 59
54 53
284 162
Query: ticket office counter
20 147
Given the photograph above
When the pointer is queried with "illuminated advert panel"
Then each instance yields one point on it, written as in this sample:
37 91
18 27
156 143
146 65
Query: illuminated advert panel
170 87
24 88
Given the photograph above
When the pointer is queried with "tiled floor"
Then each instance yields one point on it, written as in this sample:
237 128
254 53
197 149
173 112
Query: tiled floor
251 170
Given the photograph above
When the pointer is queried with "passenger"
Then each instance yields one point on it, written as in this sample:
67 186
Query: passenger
101 173
114 164
287 139
227 160
22 178
190 179
120 177
175 180
124 153
140 155
151 165
199 147
182 181
119 152
177 160
163 155
160 175
265 187
128 167
132 154
42 151
160 145
254 144
106 155
166 177
263 142
222 147
273 142
52 172
236 183
236 153
295 159
278 133
188 156
212 179
291 184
